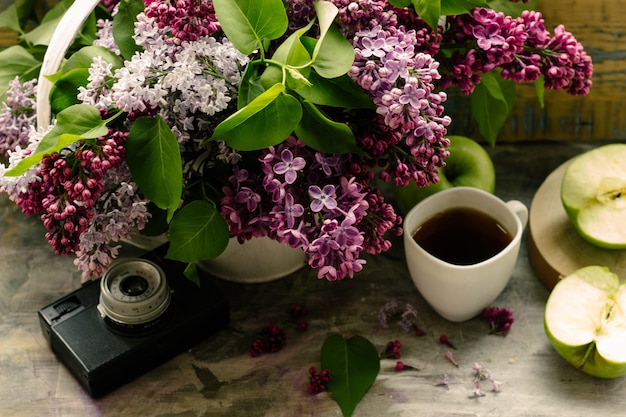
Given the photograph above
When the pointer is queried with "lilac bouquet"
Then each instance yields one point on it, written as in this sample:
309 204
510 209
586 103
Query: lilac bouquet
229 118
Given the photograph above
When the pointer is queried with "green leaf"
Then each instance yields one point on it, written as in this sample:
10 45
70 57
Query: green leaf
265 121
250 86
513 9
63 93
332 55
16 61
323 134
31 160
456 7
153 156
354 365
191 272
400 3
491 103
248 24
291 52
429 11
124 26
336 92
75 123
197 232
83 58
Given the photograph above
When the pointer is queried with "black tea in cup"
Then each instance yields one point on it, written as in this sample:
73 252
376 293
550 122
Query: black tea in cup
462 236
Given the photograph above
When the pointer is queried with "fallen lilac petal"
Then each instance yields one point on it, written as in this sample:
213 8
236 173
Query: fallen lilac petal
450 356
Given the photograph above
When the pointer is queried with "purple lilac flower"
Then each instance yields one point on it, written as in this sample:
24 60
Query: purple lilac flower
289 166
311 213
410 112
323 198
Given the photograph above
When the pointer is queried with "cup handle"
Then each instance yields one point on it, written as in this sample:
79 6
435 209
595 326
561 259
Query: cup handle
520 211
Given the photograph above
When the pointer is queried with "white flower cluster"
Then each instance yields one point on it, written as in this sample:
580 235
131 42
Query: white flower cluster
187 82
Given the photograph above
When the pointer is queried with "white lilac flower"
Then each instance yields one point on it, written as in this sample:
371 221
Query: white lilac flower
14 185
104 36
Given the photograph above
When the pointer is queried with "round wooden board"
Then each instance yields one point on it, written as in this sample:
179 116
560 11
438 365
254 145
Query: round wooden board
555 247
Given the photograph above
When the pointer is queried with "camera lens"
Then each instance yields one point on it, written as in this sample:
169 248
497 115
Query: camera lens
134 294
133 285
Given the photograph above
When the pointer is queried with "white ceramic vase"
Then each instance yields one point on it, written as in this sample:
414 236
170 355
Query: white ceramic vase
256 260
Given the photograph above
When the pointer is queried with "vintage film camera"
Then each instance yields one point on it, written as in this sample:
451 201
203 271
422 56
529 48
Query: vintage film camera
142 312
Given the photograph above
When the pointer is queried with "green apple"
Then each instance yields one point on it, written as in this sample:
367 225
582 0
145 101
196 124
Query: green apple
468 164
593 193
585 320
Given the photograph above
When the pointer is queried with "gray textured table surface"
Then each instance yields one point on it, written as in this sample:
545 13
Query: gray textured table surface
218 378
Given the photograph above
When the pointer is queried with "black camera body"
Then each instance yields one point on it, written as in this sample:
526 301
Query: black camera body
103 354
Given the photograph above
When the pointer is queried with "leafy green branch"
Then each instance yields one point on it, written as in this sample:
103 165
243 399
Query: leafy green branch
288 90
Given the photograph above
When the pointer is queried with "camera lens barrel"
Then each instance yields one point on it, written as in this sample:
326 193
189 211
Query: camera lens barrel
134 292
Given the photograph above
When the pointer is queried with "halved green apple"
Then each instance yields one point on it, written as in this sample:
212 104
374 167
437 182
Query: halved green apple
593 193
585 320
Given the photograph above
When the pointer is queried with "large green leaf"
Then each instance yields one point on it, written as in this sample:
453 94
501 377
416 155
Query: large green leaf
265 121
336 92
248 24
332 55
16 61
455 7
63 93
354 365
323 134
513 9
83 58
290 53
124 26
153 156
491 103
75 123
429 11
250 86
197 232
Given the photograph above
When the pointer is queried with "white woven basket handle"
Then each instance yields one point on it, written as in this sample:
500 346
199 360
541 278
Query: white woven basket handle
61 40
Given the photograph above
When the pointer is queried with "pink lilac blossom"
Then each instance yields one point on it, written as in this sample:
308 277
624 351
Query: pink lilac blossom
521 47
188 20
69 187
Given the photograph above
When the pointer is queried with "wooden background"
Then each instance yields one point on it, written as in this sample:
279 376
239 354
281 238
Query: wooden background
600 25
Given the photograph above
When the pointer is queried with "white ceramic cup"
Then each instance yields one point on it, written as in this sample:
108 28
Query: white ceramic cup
461 292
